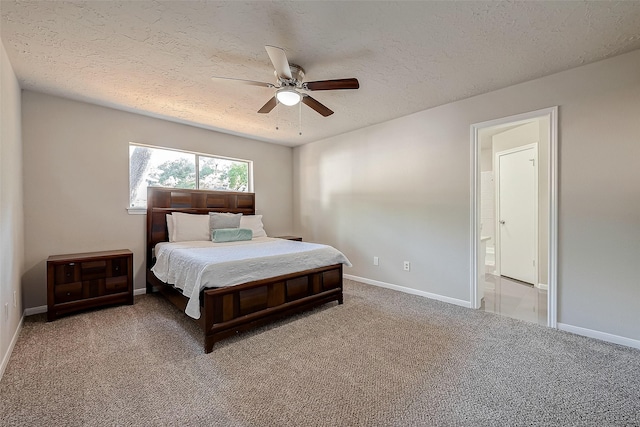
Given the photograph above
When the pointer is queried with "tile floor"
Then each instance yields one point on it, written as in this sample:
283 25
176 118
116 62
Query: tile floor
515 299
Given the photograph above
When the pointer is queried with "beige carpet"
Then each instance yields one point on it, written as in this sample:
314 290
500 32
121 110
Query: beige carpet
383 358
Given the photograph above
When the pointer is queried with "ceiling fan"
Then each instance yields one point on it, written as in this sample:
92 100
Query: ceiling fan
290 83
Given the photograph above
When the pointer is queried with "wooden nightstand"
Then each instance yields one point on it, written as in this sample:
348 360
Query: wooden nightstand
296 238
87 280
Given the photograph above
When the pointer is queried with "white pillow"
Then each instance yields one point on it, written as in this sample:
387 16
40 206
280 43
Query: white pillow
170 227
254 223
190 227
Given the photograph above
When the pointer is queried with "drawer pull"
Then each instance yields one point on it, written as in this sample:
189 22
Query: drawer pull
68 293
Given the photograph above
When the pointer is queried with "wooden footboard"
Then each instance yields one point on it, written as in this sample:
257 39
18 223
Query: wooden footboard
237 308
227 311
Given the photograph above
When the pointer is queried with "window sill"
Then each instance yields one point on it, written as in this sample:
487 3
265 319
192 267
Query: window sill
137 211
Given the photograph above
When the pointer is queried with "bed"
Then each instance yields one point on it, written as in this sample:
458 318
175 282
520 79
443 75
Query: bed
224 311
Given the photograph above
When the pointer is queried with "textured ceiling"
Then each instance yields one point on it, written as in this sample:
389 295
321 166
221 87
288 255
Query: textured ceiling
158 57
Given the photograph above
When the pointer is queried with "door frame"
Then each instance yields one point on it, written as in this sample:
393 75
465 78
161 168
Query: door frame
498 229
552 173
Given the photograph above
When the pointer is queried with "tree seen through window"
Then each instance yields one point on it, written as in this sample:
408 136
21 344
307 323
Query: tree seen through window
149 166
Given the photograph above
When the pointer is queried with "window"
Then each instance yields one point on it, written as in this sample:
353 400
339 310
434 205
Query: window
160 167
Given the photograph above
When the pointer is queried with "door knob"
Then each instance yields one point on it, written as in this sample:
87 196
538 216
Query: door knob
502 221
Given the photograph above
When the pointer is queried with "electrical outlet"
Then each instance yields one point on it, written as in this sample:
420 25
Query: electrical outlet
15 300
407 266
376 261
6 311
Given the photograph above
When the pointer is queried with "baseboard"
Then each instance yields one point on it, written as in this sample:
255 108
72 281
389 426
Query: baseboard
7 356
35 310
43 308
602 336
406 290
542 286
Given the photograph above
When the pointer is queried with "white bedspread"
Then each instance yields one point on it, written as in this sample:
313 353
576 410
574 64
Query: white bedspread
193 266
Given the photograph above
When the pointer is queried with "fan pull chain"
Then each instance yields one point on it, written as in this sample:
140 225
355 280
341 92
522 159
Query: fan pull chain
299 118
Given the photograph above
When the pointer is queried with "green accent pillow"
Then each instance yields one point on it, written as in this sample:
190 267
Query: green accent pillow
224 220
231 235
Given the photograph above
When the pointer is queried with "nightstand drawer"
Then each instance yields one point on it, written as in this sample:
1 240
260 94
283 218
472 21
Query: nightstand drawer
93 269
117 267
116 284
67 273
68 292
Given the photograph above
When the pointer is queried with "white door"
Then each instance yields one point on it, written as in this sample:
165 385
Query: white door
517 213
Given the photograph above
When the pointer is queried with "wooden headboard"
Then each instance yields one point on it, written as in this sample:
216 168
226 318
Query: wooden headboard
161 201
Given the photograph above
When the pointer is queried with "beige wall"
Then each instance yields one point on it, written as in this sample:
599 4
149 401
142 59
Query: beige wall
11 215
76 185
400 190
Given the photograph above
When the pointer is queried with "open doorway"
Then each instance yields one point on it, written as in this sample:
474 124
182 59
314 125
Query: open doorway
514 212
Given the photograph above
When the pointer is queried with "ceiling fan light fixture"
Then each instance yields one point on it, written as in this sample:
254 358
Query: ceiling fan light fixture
288 96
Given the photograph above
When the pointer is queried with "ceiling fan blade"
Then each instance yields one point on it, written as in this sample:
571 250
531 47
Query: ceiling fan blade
320 108
279 60
270 105
242 81
332 84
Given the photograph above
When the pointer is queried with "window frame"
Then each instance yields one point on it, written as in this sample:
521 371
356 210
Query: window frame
138 210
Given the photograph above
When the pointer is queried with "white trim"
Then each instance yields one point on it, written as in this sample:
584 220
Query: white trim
140 291
411 291
552 277
7 355
542 286
137 211
474 294
552 114
602 336
199 153
35 310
